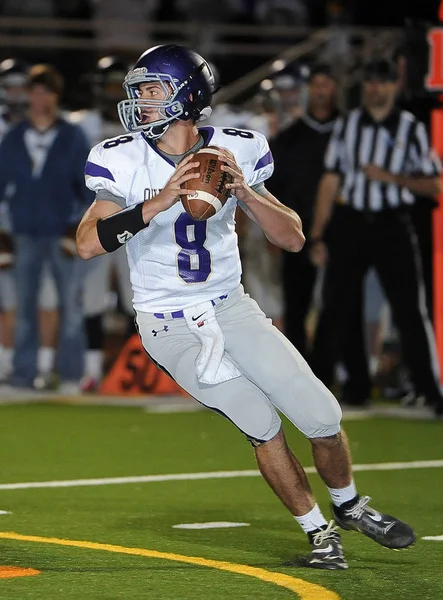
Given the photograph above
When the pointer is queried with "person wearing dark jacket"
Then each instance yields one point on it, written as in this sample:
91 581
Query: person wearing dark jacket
299 157
41 169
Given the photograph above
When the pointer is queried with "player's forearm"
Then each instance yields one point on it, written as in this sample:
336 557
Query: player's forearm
98 235
422 186
326 196
88 244
281 225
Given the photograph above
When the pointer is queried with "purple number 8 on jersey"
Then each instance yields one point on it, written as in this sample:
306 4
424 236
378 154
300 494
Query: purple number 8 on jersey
194 260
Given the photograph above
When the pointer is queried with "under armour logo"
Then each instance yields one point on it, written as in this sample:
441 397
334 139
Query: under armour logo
124 237
154 332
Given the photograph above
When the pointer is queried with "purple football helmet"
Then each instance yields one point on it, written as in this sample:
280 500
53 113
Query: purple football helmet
188 83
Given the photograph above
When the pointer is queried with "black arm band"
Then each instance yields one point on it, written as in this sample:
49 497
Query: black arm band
114 231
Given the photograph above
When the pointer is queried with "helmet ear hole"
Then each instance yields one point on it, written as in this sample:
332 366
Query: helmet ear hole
174 110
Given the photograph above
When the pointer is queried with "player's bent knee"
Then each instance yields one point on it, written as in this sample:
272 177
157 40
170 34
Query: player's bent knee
322 424
329 440
272 432
323 431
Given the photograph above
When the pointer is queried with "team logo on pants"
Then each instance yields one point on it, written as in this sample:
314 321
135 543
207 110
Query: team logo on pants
154 332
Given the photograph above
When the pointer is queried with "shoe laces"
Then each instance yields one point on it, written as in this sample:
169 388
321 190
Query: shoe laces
322 535
360 507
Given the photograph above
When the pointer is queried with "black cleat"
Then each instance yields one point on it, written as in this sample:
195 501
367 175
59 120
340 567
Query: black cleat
327 552
383 529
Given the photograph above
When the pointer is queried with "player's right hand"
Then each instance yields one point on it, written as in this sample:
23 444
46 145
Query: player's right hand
172 191
318 254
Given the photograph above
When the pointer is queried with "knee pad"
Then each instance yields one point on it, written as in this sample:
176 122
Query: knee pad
270 435
329 431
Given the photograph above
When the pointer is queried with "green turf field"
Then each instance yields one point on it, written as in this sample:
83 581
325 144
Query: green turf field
60 442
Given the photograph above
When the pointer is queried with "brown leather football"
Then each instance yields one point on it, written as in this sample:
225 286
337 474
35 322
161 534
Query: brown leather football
210 191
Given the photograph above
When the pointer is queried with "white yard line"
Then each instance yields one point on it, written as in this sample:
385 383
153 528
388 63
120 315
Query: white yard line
210 525
390 466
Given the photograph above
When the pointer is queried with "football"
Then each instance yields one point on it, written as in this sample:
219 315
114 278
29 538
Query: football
210 192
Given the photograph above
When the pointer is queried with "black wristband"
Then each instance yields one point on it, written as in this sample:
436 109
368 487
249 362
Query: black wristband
114 231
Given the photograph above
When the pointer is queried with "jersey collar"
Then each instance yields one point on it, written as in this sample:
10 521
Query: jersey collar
175 159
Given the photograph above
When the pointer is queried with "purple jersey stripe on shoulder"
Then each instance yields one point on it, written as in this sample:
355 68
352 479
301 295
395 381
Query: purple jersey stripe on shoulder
208 133
94 170
265 160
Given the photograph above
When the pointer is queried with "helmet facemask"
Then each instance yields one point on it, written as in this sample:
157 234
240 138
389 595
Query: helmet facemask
169 109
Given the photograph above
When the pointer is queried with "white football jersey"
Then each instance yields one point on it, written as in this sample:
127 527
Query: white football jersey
177 262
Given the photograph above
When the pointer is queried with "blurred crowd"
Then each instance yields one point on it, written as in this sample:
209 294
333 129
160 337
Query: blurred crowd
54 307
52 304
297 110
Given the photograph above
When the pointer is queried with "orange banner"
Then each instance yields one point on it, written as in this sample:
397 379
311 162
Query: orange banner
133 373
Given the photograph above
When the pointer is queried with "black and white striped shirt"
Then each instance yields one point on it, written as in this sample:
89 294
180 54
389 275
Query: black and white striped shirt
399 144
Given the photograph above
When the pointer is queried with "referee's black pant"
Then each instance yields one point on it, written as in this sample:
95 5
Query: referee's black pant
298 278
386 241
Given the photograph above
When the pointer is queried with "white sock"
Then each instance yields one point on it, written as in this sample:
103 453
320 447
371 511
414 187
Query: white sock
2 366
45 359
339 496
94 364
311 520
7 355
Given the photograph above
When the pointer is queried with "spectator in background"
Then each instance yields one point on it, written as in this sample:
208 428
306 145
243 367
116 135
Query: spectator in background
98 124
411 96
281 12
298 154
41 162
207 16
261 259
337 17
292 89
122 25
14 104
378 160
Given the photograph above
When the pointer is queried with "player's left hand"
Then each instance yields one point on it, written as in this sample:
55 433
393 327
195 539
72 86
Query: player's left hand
239 188
375 173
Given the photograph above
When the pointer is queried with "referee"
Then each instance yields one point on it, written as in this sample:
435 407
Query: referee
298 153
378 159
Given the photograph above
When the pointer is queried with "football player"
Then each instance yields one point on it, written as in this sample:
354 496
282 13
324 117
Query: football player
98 124
194 319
